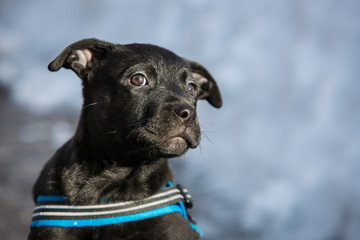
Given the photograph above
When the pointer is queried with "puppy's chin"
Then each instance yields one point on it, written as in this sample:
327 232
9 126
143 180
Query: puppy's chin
173 147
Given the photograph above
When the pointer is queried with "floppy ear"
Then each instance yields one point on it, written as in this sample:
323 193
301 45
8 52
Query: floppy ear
80 56
208 87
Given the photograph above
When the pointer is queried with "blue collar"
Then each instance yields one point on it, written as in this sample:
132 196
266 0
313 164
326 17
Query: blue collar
56 211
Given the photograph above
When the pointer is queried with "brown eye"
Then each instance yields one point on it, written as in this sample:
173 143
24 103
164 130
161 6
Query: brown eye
191 89
138 80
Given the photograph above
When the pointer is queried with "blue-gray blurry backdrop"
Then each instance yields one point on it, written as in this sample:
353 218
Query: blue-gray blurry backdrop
279 161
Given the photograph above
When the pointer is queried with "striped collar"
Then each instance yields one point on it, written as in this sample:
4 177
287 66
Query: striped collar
56 211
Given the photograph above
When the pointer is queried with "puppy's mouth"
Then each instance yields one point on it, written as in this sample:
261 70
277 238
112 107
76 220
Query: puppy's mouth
171 145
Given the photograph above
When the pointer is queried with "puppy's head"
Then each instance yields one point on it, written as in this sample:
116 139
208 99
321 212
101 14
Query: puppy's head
139 97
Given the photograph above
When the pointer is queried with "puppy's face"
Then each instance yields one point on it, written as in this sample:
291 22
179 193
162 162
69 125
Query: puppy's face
139 97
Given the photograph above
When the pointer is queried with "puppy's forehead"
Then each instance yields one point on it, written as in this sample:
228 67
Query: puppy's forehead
153 51
158 57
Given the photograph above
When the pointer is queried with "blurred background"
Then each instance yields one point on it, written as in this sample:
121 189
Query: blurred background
279 161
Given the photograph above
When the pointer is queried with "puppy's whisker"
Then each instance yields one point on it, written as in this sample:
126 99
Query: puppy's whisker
206 136
141 122
112 143
91 104
111 132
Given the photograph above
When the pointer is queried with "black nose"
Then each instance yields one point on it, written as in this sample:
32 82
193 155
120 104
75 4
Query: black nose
186 113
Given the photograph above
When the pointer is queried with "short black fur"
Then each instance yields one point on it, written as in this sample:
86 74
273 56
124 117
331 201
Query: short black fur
125 134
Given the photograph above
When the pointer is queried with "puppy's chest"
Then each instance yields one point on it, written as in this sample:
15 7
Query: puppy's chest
118 183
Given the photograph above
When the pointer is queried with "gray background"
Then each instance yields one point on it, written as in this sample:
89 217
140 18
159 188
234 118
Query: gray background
279 161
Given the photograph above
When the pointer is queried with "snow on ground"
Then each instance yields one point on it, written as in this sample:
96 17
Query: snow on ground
280 160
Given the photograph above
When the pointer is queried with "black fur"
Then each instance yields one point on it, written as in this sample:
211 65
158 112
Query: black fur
125 134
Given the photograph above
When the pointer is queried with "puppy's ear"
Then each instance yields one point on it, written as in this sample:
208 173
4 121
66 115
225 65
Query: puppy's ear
80 56
208 87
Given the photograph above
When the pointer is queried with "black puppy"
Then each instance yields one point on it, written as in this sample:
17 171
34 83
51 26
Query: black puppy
139 110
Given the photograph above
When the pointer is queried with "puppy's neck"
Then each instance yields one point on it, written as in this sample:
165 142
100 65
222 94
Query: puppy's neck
83 185
96 173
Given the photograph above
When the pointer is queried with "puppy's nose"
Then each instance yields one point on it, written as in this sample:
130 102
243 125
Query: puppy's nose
185 113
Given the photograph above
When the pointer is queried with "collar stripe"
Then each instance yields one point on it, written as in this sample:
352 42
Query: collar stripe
105 221
171 200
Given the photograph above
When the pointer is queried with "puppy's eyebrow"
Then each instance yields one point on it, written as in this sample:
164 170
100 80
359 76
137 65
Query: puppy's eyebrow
184 76
151 71
145 68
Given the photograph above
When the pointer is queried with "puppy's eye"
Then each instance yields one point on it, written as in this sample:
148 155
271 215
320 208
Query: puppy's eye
138 80
191 89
